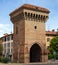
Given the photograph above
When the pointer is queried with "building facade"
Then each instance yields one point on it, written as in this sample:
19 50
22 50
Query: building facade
29 33
50 35
7 43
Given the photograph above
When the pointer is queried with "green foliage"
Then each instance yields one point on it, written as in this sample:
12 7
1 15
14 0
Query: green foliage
50 56
54 45
4 60
56 55
0 59
1 49
50 49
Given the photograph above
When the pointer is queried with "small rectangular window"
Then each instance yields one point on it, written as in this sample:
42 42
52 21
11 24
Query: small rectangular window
8 44
48 39
4 45
35 27
8 51
8 38
4 39
4 51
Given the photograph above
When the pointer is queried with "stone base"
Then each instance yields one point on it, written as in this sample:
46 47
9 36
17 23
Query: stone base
44 58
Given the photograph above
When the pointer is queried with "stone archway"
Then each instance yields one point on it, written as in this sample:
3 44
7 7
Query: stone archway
35 53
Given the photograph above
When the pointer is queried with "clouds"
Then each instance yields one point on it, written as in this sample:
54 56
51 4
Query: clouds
4 28
7 6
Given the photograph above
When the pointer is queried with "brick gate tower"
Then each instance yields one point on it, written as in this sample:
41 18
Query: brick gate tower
29 34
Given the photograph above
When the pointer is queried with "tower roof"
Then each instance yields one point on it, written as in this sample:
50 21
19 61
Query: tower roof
32 7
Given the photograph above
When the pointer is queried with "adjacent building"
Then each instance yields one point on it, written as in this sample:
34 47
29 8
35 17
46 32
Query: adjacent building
7 42
49 36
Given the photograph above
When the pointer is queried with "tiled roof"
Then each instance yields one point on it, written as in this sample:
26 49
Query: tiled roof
28 6
51 33
6 35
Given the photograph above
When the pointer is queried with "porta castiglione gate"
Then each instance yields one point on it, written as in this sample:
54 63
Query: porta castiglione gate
29 34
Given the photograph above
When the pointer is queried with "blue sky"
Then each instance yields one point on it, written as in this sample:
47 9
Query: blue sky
7 6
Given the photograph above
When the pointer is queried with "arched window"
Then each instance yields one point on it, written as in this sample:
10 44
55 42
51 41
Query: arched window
43 17
46 16
29 15
25 13
39 17
48 39
36 16
33 15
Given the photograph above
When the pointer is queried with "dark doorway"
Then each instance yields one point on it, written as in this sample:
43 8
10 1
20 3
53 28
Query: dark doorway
35 53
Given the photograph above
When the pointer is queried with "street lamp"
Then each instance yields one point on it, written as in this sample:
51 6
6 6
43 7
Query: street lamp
54 53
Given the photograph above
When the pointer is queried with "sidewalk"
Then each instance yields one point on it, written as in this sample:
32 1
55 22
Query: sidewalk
49 62
52 61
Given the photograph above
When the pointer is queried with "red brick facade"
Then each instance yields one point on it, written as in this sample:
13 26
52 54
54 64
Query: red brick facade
29 34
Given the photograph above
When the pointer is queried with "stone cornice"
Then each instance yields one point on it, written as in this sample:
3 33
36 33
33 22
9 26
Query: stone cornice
31 7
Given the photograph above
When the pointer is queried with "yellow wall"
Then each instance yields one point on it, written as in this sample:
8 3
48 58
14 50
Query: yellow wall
48 42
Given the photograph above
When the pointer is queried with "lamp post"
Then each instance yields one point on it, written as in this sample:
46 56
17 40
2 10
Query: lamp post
54 53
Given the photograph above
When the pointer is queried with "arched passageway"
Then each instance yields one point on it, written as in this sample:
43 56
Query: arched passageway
35 53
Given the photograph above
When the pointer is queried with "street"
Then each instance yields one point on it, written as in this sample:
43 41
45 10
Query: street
45 64
29 64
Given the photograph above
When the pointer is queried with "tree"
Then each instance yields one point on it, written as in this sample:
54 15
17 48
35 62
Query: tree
1 49
54 45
